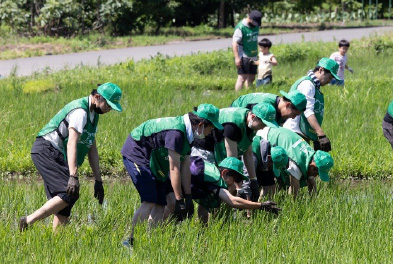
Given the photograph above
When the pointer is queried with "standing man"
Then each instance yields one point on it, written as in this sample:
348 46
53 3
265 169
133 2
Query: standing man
60 148
308 125
245 48
289 105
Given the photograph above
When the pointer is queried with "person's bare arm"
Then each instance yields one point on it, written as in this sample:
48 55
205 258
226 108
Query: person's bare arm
295 186
249 163
72 152
236 202
231 147
312 120
174 171
94 161
312 185
236 53
273 61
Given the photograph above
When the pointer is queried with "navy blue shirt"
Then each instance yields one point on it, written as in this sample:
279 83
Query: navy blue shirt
140 151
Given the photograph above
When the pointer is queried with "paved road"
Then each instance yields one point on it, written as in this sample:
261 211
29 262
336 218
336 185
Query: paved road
27 66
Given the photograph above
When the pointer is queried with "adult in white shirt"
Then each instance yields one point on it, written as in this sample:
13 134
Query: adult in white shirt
308 124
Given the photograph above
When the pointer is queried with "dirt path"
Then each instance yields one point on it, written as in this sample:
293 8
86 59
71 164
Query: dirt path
27 66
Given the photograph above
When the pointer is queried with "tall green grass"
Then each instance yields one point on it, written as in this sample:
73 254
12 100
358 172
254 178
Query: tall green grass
343 224
172 86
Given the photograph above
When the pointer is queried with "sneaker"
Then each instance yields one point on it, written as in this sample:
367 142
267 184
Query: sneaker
23 224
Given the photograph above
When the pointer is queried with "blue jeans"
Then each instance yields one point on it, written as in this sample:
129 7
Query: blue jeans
264 81
336 82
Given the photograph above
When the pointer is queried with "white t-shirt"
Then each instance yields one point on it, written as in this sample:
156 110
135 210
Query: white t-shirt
341 60
293 169
264 67
307 88
238 37
76 119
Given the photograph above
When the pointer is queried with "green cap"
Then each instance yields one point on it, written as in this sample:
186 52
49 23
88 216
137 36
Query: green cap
330 65
112 94
324 163
234 164
209 112
267 113
298 99
280 159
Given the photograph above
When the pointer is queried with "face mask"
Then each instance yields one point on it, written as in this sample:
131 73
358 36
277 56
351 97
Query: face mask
201 135
97 109
250 25
250 123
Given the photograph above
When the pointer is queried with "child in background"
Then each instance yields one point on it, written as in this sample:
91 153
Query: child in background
341 58
265 63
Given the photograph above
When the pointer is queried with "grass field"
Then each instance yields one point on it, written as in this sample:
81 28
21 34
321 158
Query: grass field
346 223
343 224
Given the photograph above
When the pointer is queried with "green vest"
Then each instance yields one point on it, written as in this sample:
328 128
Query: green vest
390 109
256 148
213 176
159 161
319 107
86 139
249 39
298 150
237 116
256 98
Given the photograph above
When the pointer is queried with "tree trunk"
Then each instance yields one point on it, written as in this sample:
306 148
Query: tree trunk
221 14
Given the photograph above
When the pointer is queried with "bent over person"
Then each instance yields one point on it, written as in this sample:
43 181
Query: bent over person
60 148
309 124
158 151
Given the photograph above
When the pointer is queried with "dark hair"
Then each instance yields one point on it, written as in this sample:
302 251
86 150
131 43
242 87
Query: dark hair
265 43
318 67
237 177
343 43
94 91
195 120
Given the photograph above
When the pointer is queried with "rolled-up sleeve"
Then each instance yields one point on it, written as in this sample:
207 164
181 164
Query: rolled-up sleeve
307 88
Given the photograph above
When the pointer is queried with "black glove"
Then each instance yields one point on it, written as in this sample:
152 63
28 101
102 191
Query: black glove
189 205
181 211
99 191
270 207
324 142
254 190
73 187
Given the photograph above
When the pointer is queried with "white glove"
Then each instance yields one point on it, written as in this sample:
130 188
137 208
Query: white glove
350 69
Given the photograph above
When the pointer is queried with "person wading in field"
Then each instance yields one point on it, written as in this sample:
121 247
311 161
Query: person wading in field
157 153
240 126
304 162
287 106
308 124
60 148
209 186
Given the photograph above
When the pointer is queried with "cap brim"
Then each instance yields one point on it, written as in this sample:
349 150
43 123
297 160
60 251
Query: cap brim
284 94
244 177
270 124
324 176
276 171
335 76
116 107
217 125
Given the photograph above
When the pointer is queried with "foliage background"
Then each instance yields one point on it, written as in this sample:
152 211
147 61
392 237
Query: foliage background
121 17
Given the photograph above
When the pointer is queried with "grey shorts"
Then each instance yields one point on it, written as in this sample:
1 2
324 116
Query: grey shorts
53 169
387 129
